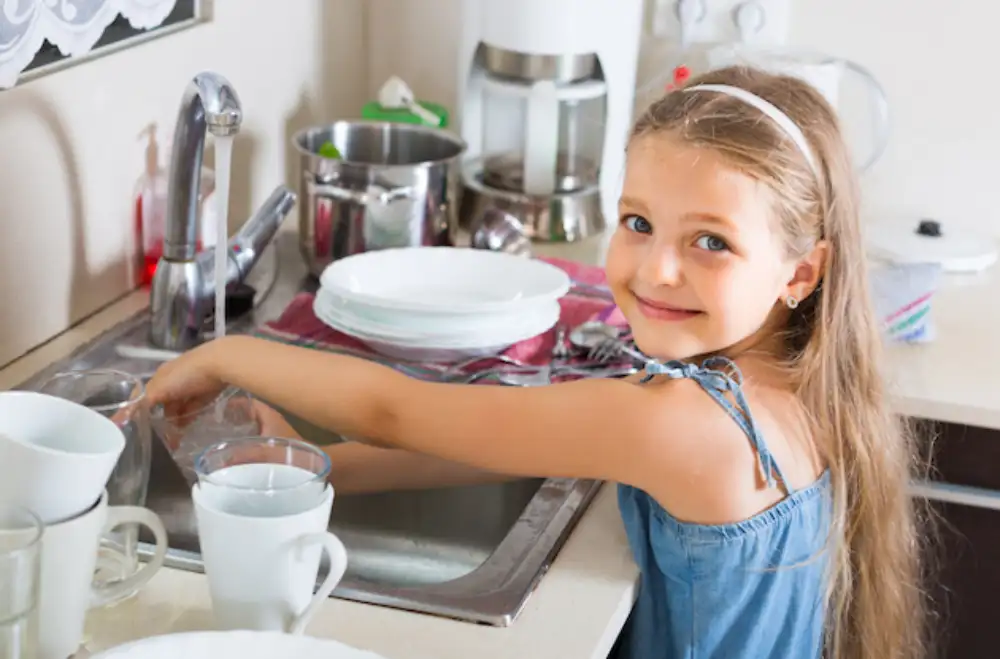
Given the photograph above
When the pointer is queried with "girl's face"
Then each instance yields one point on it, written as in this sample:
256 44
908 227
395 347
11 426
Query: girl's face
696 264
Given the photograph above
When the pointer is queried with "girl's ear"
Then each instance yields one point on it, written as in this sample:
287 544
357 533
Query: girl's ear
808 272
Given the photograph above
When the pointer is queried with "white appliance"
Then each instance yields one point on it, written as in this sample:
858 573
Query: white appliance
545 100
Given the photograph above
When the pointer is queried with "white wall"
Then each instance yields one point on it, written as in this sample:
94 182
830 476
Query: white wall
933 58
70 156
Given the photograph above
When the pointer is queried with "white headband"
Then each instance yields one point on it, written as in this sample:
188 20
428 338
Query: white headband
777 116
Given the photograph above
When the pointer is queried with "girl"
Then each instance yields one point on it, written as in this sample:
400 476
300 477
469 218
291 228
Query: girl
782 532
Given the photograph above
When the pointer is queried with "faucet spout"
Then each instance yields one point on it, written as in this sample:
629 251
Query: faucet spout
209 103
183 291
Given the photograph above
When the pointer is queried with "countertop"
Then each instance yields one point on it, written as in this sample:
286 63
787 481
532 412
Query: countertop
583 601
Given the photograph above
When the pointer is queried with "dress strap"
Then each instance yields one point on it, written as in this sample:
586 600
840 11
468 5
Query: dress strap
720 376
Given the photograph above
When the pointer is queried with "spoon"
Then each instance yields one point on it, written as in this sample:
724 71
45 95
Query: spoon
397 94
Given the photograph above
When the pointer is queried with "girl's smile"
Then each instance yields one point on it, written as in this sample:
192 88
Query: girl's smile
655 310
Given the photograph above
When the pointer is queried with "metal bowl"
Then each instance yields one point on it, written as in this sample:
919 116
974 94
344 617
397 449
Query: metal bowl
559 217
505 171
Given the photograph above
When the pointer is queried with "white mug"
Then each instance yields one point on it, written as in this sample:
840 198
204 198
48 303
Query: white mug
56 456
262 565
68 558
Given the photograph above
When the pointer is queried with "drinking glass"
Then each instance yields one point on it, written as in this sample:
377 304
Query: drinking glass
189 433
263 476
20 560
122 398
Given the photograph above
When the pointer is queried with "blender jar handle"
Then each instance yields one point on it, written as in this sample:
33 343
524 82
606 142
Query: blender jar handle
880 111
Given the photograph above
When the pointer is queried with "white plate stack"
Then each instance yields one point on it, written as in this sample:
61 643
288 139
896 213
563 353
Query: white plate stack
440 304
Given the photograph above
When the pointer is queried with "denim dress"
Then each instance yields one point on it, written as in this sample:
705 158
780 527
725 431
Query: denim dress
751 589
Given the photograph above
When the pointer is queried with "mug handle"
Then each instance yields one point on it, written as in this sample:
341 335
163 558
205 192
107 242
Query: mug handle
118 515
880 111
337 554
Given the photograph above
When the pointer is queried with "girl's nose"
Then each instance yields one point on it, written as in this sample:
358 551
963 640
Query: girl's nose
661 266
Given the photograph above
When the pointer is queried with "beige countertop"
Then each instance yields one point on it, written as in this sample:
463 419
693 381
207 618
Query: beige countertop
583 601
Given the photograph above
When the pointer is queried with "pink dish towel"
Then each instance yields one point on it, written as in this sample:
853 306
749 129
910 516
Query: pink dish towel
588 299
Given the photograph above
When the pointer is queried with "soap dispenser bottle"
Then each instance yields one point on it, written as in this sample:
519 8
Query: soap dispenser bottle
151 206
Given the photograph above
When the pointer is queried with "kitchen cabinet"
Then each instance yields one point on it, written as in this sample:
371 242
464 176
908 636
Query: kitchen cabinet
963 490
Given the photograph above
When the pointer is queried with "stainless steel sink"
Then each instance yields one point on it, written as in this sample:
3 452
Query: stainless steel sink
471 553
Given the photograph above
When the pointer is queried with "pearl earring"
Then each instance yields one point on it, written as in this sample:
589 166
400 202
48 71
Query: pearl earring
791 302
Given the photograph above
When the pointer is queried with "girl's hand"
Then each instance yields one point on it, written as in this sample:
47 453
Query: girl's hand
187 383
272 423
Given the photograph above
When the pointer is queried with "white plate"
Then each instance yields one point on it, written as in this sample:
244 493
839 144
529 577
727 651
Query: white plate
234 645
447 329
425 321
451 279
475 340
443 354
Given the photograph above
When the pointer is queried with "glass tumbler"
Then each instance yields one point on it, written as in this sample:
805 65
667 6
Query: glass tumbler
189 433
122 398
20 561
263 476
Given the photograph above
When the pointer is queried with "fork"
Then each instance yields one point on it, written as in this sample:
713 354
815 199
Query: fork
610 349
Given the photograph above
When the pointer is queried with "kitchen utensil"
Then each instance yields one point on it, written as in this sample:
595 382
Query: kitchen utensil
953 247
228 645
56 456
68 560
822 71
538 376
444 280
189 433
615 349
395 185
499 231
603 342
262 507
558 217
122 398
396 94
560 351
20 560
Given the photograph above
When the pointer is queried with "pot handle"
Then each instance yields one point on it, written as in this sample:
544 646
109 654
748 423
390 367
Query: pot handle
375 194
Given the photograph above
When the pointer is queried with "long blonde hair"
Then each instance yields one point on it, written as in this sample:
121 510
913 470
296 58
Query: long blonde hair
875 600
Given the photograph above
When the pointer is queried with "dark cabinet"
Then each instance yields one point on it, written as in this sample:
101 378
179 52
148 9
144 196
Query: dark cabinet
963 490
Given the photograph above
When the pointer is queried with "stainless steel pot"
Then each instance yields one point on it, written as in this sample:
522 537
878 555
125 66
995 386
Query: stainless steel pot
396 185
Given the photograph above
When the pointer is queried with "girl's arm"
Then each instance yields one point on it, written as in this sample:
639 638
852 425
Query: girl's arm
361 469
602 429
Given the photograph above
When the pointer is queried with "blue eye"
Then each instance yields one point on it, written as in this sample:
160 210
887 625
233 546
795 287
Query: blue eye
712 244
637 224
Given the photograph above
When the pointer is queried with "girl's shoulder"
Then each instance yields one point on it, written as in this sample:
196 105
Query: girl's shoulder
726 481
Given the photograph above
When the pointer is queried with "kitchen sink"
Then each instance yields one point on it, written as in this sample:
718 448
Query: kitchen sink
473 553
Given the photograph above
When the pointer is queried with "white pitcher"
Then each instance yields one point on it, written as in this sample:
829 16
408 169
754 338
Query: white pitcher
822 71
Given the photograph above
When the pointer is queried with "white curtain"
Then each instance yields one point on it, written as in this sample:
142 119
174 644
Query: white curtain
73 26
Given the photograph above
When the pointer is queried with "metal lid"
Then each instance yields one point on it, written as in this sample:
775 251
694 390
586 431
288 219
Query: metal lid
529 67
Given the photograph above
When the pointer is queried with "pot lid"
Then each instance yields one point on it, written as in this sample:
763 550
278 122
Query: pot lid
954 248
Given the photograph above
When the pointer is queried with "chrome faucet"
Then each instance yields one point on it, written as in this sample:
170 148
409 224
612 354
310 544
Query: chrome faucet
183 290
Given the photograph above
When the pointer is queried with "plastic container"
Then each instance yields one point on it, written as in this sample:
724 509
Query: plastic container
375 112
150 204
